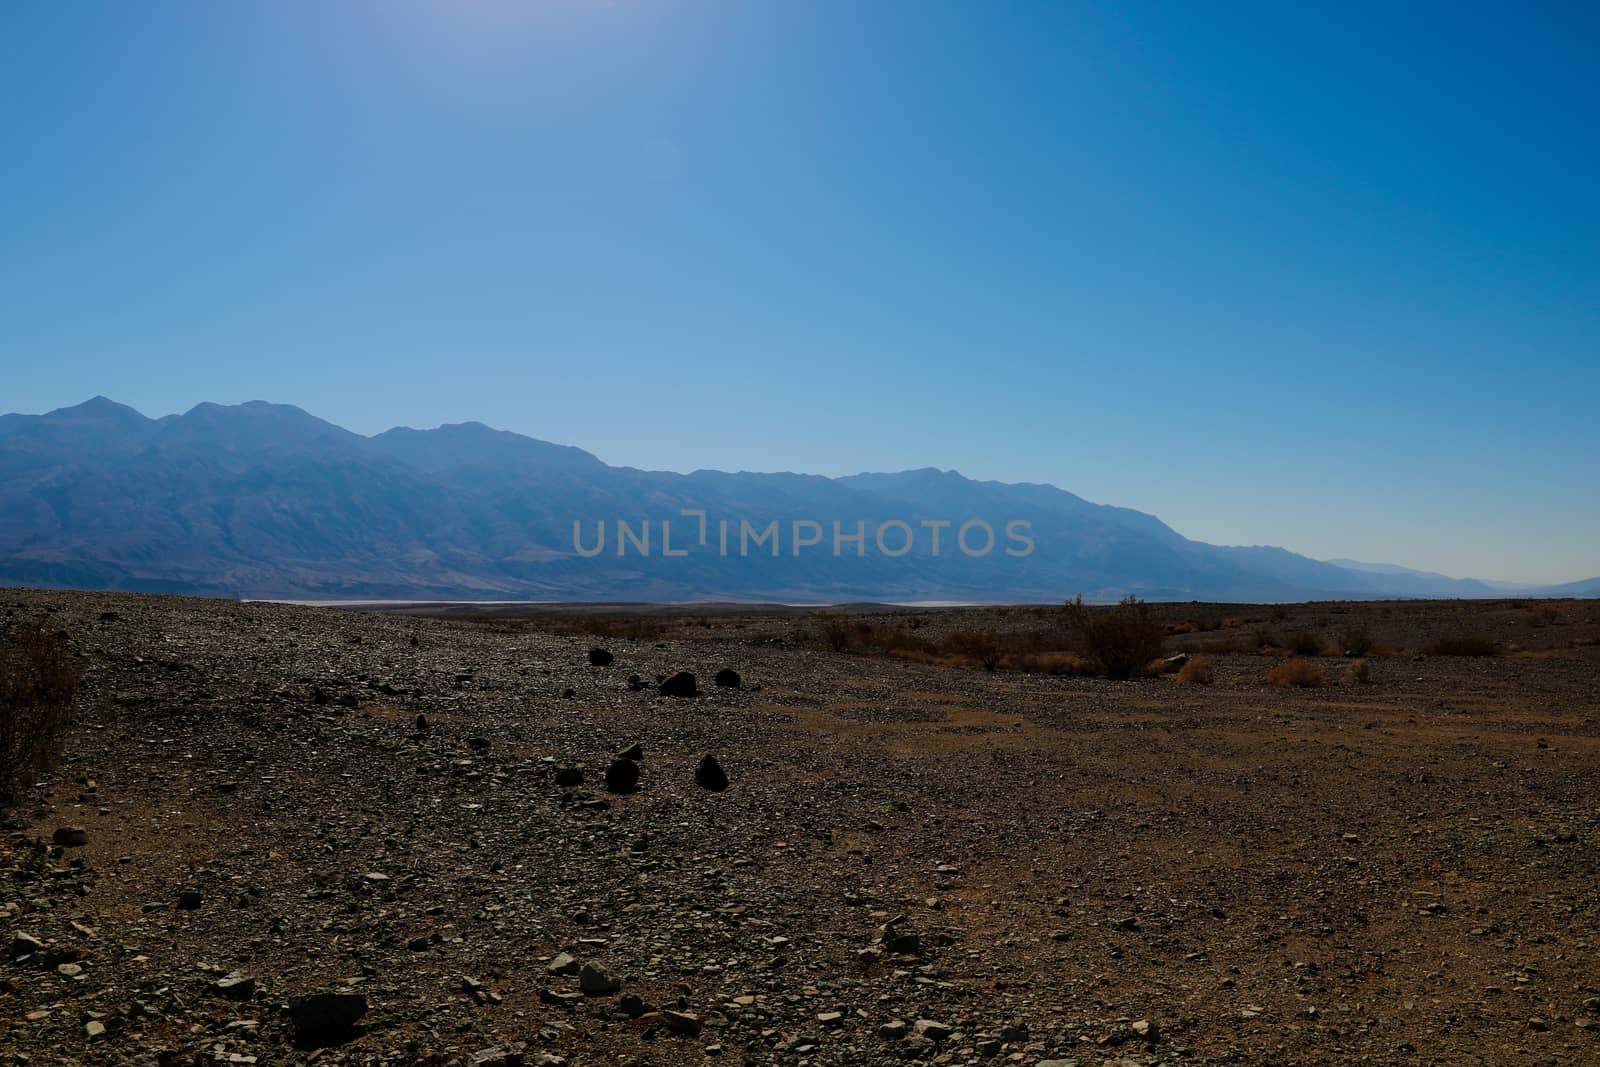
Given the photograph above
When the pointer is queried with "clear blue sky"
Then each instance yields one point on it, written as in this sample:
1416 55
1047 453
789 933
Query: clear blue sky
1324 276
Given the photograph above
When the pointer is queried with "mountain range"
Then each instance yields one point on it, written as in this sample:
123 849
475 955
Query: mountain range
263 500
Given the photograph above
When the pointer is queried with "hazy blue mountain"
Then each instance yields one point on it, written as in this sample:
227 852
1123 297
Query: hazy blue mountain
264 499
1420 583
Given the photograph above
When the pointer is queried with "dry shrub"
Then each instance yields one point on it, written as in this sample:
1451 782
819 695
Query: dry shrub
37 682
1304 643
1197 671
1356 641
1300 673
1067 666
1358 673
1266 637
1461 645
1122 640
981 646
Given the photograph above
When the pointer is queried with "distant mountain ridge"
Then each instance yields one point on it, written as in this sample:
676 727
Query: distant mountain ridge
266 500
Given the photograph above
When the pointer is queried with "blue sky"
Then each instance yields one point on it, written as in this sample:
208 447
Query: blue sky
1324 276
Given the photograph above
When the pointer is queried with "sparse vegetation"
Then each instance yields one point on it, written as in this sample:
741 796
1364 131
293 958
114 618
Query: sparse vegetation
1358 673
1198 671
1295 673
1356 641
1122 639
1304 643
1461 645
982 646
37 683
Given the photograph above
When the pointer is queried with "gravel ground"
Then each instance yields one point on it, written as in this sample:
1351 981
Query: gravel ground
911 861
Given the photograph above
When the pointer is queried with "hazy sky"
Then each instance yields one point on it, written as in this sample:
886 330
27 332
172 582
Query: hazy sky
1319 276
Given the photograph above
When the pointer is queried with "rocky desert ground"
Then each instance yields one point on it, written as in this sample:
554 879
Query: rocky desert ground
288 835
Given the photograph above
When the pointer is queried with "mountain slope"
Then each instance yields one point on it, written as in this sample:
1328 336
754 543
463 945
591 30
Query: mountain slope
264 499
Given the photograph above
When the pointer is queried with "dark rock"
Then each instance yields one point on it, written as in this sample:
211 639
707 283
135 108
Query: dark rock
710 775
681 1022
323 1018
70 836
599 657
481 744
622 776
634 752
24 945
727 678
680 685
568 694
634 1006
596 982
422 724
189 900
235 985
635 683
567 777
1173 664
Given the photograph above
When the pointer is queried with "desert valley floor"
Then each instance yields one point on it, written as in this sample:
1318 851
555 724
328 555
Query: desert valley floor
915 859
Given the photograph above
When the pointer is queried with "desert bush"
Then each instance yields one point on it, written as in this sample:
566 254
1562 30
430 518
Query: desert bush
1122 639
838 635
1304 643
980 645
1266 637
1358 673
1197 671
1296 672
37 682
1461 645
1356 641
1066 665
1215 646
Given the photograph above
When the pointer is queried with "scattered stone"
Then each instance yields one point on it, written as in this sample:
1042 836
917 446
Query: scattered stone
634 752
497 1056
24 945
596 982
681 1022
563 963
680 685
94 1028
710 775
235 985
893 1030
622 776
727 678
600 657
932 1030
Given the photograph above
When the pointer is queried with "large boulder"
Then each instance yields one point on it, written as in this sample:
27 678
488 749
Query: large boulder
680 685
710 775
325 1018
622 776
